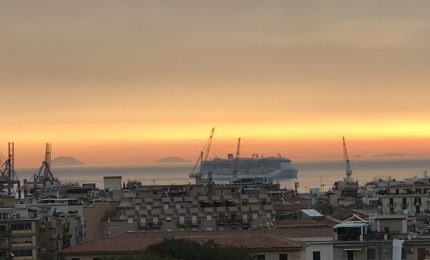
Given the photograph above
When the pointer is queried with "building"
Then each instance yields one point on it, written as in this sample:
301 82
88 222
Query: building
19 234
192 208
317 238
265 245
94 213
410 199
112 183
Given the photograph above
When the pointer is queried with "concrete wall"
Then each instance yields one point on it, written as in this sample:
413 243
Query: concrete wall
112 183
360 252
412 251
326 251
297 255
393 225
93 215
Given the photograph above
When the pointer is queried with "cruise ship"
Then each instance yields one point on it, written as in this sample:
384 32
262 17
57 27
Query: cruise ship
231 169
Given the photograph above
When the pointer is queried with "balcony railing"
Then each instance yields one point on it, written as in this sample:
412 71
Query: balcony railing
150 225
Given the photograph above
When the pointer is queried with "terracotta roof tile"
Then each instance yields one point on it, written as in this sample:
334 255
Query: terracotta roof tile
138 241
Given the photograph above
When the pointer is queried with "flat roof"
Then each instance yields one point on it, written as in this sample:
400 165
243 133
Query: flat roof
312 213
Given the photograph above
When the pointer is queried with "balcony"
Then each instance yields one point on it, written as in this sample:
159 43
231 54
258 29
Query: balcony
185 223
150 225
221 222
195 223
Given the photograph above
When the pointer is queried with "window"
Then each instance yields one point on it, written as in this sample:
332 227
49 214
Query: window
283 257
316 255
130 220
261 257
209 217
23 252
350 255
21 240
3 229
245 217
155 220
143 221
21 226
371 253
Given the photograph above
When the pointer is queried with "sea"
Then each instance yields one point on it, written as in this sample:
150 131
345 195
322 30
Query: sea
312 174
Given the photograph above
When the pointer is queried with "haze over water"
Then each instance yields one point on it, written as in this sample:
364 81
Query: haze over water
311 174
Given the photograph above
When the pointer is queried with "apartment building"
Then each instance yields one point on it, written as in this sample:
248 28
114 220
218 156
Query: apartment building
266 245
405 199
19 234
192 208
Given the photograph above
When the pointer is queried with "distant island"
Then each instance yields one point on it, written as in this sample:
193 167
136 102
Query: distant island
390 155
66 161
172 159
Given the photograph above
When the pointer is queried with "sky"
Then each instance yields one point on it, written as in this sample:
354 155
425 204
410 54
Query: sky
129 82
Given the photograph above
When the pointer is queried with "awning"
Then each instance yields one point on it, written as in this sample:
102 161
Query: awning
350 225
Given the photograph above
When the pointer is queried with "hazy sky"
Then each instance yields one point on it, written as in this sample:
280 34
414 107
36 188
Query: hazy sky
127 82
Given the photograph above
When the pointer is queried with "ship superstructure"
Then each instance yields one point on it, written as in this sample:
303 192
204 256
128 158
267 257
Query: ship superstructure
234 168
231 169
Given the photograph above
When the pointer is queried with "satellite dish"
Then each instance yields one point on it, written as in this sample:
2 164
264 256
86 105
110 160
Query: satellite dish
405 212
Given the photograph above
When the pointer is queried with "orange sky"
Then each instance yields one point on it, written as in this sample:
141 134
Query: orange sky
128 82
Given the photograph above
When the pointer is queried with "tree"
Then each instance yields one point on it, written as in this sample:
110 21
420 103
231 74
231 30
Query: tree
185 249
139 256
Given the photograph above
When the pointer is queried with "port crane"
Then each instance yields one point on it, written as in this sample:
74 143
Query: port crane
47 175
8 176
348 170
203 155
236 160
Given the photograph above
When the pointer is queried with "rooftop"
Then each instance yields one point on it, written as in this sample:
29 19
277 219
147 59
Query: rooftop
138 241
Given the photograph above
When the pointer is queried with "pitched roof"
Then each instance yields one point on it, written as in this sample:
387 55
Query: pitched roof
305 231
138 241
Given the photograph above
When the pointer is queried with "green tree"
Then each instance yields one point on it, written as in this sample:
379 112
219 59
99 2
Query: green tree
139 256
184 249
